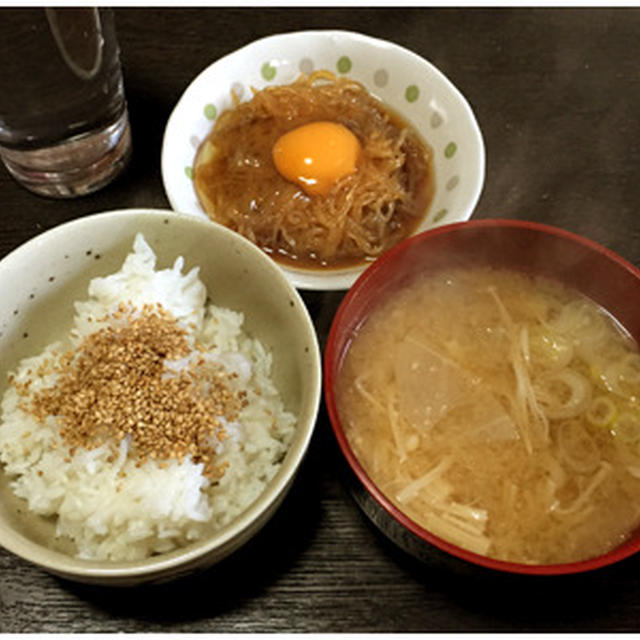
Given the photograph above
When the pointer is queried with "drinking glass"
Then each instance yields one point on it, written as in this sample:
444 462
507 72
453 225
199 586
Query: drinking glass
64 126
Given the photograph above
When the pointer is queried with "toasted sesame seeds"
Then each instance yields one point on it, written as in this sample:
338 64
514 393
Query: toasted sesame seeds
117 385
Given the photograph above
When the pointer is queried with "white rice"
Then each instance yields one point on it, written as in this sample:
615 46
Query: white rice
110 515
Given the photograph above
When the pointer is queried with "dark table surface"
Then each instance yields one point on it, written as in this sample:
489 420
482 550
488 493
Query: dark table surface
557 96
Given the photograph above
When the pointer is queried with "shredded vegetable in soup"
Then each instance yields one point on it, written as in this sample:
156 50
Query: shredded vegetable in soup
318 173
500 412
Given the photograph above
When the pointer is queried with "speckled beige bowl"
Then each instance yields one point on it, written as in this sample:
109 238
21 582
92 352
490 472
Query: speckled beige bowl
38 283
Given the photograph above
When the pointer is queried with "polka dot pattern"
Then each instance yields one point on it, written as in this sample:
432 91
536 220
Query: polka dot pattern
210 111
381 78
344 64
450 150
306 65
412 93
268 71
440 215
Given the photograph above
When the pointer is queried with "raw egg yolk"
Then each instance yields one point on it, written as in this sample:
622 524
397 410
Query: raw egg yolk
316 155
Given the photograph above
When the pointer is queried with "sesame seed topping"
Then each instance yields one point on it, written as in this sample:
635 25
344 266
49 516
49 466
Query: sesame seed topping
117 385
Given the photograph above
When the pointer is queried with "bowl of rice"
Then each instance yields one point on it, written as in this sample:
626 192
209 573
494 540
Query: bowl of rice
161 382
237 108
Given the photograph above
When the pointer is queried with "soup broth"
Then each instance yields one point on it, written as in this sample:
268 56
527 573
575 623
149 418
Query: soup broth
501 412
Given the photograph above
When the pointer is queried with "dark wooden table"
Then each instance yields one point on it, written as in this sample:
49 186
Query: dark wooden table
557 95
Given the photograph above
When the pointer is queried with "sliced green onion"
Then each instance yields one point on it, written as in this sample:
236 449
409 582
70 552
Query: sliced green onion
627 427
601 412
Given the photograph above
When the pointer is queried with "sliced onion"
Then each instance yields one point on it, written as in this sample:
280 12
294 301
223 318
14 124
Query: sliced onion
548 393
623 377
550 350
577 447
627 427
601 412
579 320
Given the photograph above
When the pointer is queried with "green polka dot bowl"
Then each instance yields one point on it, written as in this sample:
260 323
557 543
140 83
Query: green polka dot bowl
404 81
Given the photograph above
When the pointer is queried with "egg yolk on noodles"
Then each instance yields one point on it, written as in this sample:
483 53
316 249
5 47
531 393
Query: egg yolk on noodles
316 155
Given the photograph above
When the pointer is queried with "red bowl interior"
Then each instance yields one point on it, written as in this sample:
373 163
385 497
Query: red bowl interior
530 247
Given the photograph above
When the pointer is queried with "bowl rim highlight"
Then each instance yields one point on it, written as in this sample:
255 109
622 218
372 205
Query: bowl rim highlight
331 365
267 48
221 543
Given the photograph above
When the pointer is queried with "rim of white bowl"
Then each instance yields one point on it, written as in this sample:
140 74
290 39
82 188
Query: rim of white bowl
124 572
309 279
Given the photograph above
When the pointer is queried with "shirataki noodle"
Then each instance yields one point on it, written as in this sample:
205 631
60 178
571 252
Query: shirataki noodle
363 214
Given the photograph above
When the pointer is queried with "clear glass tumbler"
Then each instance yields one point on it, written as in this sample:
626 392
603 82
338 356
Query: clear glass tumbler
64 126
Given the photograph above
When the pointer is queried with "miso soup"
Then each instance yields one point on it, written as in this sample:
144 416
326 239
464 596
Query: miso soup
500 412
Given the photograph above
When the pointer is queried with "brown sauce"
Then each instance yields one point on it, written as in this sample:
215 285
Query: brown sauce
364 214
